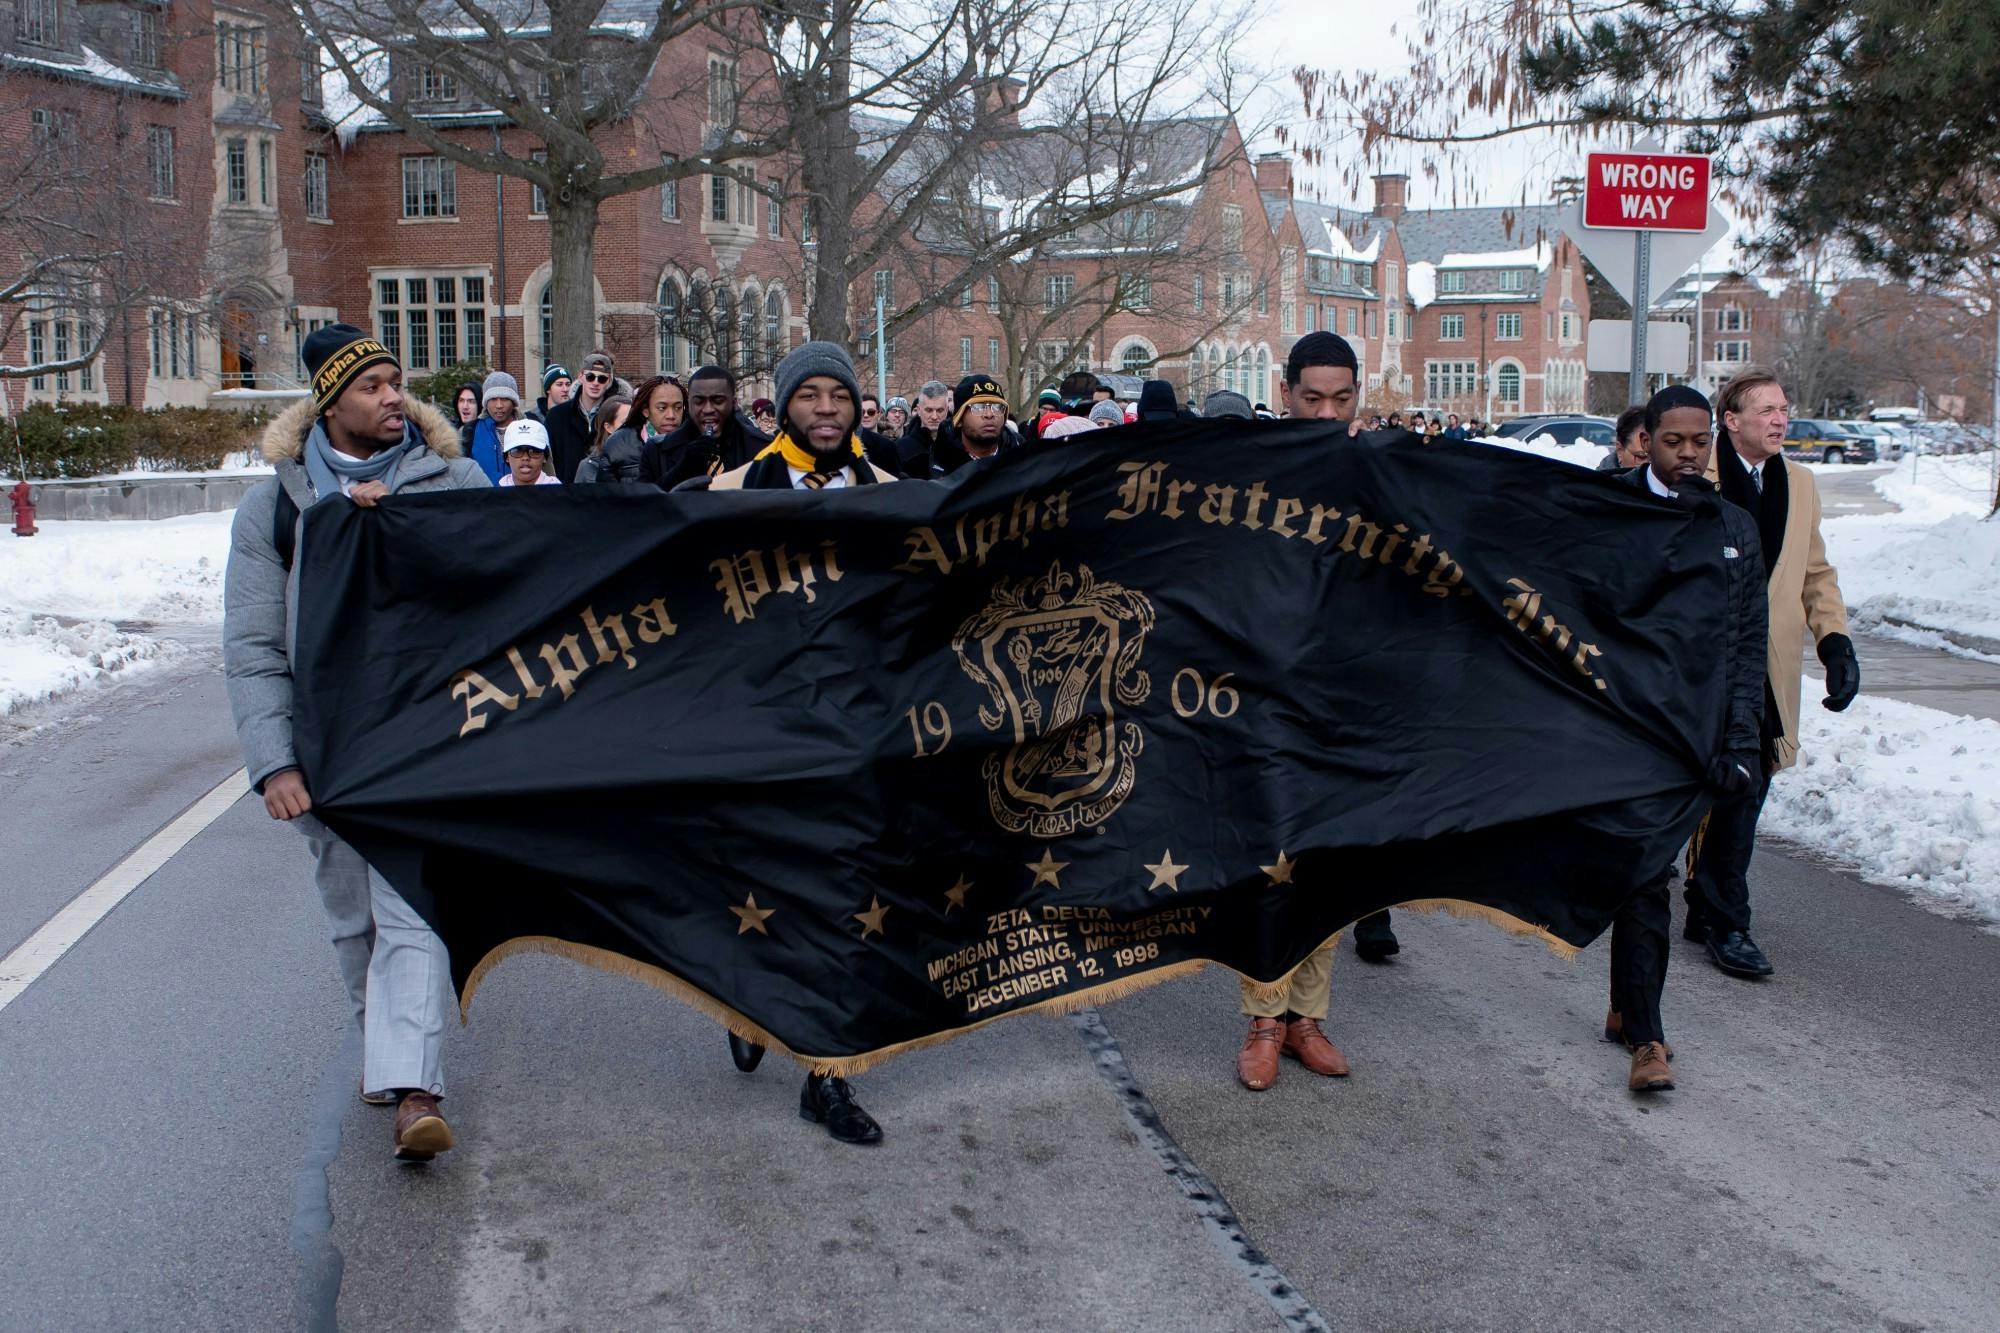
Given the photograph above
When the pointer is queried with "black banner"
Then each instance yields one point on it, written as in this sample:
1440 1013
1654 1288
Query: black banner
857 769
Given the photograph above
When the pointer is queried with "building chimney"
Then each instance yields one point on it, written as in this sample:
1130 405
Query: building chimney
1391 194
1000 104
1274 174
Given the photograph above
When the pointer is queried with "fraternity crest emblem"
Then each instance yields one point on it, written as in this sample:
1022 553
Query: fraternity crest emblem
1058 654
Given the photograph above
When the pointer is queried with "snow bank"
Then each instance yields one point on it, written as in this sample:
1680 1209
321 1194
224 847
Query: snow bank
41 656
61 590
1930 574
1544 446
1907 795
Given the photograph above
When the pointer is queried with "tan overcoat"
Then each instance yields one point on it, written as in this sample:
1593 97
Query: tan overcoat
1805 595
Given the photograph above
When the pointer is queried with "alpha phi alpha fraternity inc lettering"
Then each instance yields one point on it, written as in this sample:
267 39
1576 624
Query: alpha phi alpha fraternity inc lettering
1058 654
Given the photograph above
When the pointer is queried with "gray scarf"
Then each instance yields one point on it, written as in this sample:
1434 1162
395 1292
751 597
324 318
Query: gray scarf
327 467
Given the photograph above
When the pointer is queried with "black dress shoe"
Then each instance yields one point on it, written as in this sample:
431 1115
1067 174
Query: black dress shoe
1695 929
1374 941
830 1102
746 1054
1737 954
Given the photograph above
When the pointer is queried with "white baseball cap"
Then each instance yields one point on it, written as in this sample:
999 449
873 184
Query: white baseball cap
524 434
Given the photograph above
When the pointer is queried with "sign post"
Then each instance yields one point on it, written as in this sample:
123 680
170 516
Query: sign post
1643 193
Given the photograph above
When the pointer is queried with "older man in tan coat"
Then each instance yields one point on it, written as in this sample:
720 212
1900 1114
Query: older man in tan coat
1805 595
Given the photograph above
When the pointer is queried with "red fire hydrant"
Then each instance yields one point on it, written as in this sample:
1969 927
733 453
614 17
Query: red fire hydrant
24 509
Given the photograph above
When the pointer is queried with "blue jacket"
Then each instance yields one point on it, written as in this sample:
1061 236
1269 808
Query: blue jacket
486 449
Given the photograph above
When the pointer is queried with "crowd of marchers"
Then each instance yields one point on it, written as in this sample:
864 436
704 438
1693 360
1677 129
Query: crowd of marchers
360 436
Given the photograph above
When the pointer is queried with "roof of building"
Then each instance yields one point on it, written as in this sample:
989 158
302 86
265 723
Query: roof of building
1432 235
1066 167
93 67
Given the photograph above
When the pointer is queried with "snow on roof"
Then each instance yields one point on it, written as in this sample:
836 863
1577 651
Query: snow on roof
1773 287
1339 246
1423 283
1541 255
338 102
96 69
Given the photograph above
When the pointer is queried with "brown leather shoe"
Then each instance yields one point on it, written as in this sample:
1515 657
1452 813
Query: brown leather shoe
421 1132
378 1098
1305 1043
1614 1030
1650 1070
1257 1062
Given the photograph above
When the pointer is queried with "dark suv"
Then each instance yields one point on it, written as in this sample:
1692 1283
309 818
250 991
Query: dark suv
1813 441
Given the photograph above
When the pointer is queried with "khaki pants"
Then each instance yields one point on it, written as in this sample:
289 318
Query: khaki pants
1306 993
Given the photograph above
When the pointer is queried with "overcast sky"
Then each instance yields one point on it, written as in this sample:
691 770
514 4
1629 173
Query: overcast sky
1354 35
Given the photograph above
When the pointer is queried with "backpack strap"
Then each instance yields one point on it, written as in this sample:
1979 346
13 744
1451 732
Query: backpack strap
285 527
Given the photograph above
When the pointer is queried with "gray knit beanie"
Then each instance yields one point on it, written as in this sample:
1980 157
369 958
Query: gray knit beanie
805 361
1226 403
500 385
1110 412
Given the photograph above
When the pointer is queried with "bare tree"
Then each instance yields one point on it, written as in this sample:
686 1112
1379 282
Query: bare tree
578 76
978 131
87 250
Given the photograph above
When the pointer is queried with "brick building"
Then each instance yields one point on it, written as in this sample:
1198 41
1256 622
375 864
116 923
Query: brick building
296 208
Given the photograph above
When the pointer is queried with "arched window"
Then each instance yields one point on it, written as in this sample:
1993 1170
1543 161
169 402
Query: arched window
548 323
1135 359
670 327
1508 379
1195 373
754 352
1263 393
774 324
723 315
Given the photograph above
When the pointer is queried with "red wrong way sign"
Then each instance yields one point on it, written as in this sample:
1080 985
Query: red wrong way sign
1649 191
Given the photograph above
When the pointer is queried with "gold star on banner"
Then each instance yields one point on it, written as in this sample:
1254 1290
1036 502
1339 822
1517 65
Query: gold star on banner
871 920
1280 873
752 917
1166 874
1047 869
955 895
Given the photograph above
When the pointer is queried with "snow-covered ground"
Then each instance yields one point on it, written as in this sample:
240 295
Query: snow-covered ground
1907 795
1931 573
62 589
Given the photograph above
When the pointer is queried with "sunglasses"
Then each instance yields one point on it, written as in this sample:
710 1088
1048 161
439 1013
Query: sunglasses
592 377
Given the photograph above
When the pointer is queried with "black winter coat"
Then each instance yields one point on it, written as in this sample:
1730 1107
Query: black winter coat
1749 629
618 461
673 459
569 438
917 445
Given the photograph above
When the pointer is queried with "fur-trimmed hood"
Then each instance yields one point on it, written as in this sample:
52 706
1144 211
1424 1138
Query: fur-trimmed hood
286 436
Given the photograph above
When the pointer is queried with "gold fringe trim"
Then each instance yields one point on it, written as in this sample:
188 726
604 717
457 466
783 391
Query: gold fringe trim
846 1066
1506 921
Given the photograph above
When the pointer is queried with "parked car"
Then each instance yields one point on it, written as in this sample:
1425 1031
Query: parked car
1562 429
1878 434
1818 441
1892 438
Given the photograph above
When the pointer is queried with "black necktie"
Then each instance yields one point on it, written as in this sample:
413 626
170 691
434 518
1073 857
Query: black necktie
816 480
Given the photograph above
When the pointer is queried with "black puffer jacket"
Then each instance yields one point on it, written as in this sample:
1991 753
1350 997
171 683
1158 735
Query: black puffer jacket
619 460
686 452
1743 650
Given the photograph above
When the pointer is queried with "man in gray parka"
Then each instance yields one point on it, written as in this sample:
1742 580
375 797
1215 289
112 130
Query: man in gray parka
357 436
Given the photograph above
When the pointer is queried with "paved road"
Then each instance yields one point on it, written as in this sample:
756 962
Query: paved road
184 1149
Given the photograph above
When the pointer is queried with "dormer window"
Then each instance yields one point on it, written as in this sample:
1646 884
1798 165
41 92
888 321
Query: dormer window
39 21
436 85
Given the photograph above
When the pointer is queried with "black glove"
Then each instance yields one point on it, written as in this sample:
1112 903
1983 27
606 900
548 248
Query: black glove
1733 774
1843 671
